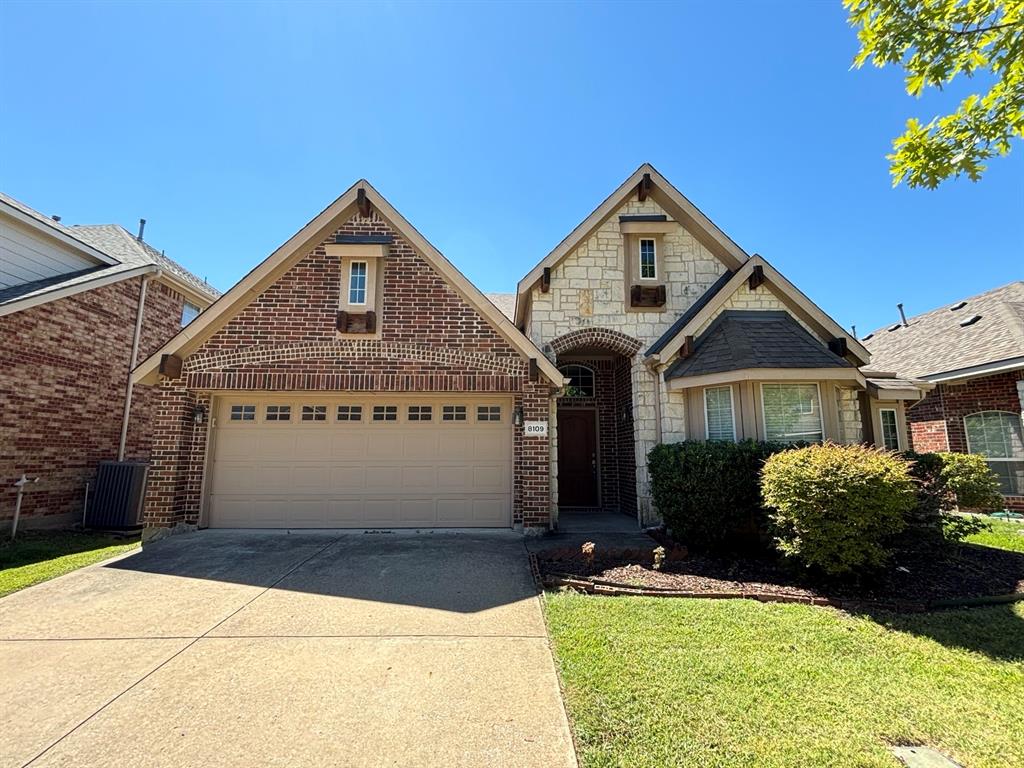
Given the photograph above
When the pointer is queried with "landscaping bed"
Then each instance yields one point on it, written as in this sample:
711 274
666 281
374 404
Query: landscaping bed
913 580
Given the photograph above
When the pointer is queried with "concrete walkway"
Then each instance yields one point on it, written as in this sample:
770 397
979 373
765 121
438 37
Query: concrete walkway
273 649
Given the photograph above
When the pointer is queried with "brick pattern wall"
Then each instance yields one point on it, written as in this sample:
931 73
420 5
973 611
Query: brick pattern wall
937 422
65 367
431 340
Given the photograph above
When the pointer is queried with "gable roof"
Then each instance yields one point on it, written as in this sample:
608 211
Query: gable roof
298 246
50 226
739 339
944 344
713 299
669 198
120 255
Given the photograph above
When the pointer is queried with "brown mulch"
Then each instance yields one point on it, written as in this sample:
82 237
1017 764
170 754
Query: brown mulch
912 577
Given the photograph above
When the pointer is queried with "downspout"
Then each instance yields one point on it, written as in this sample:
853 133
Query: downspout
652 366
133 361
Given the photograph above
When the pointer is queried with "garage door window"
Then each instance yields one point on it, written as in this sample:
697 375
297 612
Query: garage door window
385 413
453 413
243 412
350 413
421 412
279 413
488 413
314 413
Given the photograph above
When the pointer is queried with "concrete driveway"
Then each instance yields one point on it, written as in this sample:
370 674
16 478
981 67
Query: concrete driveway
272 649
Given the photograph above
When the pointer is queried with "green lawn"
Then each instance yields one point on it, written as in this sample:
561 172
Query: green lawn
661 682
1004 535
40 555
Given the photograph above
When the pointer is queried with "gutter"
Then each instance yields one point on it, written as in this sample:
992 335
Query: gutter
129 386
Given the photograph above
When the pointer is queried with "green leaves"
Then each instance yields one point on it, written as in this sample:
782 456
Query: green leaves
935 41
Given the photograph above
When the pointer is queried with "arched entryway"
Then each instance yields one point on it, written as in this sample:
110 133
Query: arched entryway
595 447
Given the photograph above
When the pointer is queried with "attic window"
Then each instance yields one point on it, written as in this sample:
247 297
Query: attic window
189 312
958 305
970 321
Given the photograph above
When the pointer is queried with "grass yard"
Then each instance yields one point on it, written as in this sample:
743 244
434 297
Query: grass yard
1004 535
658 682
40 555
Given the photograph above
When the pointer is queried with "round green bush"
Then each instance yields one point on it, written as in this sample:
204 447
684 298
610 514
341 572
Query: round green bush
834 508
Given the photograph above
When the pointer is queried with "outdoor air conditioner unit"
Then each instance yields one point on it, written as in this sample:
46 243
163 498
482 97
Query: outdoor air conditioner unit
117 497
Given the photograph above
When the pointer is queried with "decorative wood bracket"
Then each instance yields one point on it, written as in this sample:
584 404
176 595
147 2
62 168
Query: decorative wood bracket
357 322
644 188
545 280
363 202
838 346
687 349
647 296
756 277
170 366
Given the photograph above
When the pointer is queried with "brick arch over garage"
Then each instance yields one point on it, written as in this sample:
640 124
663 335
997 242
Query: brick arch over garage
600 338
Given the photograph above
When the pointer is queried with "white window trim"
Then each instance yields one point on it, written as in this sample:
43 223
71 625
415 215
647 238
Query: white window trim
366 283
881 428
968 436
821 405
732 411
640 258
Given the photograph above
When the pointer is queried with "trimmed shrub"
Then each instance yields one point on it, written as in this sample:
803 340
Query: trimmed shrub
709 492
945 482
834 508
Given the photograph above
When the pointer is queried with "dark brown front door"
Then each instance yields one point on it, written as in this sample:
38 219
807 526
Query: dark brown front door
577 458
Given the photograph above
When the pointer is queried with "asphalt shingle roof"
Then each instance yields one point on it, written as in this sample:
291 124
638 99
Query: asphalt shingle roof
115 240
690 313
506 302
738 339
111 239
936 342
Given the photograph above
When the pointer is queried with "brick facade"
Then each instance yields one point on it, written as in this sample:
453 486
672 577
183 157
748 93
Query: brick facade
65 368
936 423
431 340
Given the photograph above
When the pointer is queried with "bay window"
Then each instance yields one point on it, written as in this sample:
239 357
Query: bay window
719 419
792 413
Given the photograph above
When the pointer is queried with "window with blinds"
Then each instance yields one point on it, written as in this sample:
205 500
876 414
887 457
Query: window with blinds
718 415
999 437
792 413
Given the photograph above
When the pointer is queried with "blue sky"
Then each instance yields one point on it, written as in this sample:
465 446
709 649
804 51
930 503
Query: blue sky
495 129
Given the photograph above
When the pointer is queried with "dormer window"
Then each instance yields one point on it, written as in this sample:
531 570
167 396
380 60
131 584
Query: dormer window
648 259
357 283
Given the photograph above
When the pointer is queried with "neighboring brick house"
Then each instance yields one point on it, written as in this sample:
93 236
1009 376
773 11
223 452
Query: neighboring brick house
69 304
356 379
972 351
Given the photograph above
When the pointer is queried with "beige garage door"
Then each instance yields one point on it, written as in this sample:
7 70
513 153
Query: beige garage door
361 463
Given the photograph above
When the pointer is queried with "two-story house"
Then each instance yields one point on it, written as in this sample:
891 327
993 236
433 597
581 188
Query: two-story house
355 378
79 306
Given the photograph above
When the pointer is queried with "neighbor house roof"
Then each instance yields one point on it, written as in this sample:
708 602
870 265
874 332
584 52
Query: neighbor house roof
974 336
506 302
124 246
298 246
120 255
739 339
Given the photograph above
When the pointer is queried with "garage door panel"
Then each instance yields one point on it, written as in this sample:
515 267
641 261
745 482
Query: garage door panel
361 474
